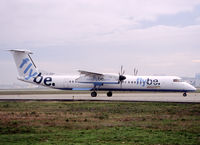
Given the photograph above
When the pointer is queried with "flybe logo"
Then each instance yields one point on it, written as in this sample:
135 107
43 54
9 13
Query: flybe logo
38 78
143 82
27 69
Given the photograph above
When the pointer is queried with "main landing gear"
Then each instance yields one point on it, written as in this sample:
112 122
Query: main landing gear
184 94
109 94
94 94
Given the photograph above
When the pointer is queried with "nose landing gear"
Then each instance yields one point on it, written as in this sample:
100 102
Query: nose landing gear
184 94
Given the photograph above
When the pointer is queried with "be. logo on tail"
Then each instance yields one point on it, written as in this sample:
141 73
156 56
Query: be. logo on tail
47 80
28 68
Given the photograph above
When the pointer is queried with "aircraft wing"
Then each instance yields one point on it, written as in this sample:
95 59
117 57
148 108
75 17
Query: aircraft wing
97 79
91 74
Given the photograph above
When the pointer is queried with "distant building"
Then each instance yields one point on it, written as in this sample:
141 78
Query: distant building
189 80
193 81
197 80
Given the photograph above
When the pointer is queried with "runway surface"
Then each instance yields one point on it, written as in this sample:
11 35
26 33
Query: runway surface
129 97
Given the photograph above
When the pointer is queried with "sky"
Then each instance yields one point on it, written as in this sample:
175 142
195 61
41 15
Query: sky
158 37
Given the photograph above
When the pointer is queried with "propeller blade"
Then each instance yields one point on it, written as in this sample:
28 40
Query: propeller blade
134 72
123 72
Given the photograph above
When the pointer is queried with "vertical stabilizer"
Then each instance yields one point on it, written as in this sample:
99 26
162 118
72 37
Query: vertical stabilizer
25 65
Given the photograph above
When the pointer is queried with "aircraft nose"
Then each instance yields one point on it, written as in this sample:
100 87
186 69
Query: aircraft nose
191 88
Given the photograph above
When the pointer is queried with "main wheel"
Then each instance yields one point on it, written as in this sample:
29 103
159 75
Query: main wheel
94 94
109 94
184 94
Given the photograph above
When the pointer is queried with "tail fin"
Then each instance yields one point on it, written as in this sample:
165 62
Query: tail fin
25 65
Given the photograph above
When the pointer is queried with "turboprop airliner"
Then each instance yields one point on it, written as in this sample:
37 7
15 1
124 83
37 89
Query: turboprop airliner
93 81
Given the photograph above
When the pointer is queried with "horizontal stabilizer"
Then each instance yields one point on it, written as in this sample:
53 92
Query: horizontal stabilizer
21 50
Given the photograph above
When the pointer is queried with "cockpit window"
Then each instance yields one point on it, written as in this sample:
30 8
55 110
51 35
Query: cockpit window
177 80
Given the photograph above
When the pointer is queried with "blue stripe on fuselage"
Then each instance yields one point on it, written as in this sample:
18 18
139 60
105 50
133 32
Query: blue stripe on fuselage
145 90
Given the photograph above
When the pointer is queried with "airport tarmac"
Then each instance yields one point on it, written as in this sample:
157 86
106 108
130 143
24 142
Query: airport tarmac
127 97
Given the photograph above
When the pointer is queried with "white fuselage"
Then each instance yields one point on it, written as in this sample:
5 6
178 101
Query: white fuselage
132 83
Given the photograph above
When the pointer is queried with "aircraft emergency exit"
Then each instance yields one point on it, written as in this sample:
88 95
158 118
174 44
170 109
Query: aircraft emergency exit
92 81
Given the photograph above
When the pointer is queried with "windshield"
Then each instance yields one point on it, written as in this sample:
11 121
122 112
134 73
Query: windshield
177 80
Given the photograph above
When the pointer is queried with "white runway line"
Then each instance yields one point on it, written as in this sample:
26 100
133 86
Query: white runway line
152 97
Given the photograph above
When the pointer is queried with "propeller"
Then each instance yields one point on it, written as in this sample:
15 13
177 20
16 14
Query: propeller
121 76
135 72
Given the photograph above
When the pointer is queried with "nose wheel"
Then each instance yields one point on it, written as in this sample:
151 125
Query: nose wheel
109 94
184 94
94 94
